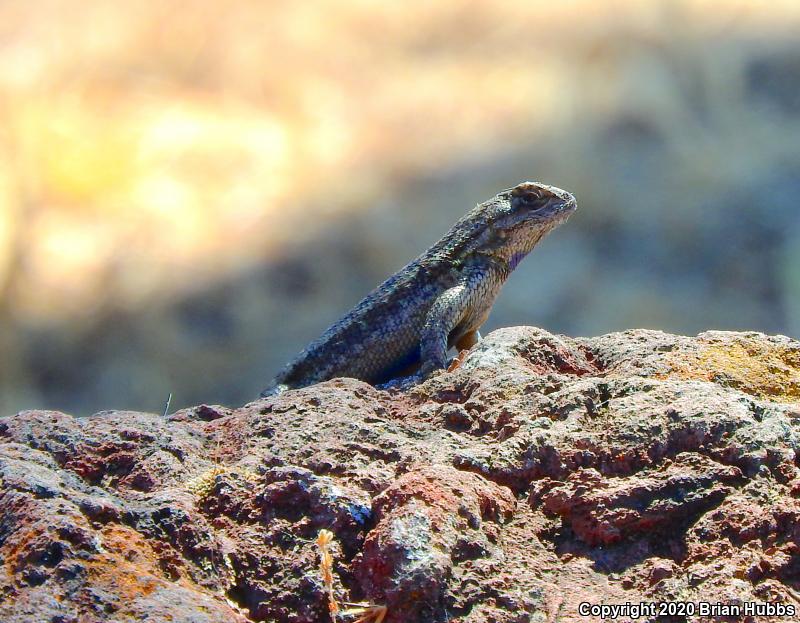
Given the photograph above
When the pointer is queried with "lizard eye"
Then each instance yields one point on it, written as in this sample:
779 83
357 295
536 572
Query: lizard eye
528 196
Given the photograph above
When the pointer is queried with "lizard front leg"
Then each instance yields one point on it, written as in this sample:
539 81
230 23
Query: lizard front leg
447 311
443 316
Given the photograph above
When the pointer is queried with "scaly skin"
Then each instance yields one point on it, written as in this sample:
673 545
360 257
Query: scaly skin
440 300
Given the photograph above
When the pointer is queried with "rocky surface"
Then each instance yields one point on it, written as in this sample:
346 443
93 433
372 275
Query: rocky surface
543 472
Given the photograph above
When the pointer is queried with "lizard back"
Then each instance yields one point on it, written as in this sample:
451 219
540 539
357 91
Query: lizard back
379 337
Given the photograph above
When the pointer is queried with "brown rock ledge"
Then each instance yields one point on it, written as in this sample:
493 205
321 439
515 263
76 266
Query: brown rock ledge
544 472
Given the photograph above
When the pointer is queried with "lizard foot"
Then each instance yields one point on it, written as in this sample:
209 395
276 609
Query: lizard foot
274 390
402 383
456 361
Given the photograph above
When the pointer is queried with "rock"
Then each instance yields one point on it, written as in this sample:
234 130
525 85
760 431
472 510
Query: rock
542 472
428 522
602 511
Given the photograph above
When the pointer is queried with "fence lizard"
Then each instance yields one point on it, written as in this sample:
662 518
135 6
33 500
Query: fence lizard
439 300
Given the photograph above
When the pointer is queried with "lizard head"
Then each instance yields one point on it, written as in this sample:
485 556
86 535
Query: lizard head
507 226
530 203
517 218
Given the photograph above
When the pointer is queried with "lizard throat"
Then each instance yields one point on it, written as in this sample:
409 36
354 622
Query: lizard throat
516 259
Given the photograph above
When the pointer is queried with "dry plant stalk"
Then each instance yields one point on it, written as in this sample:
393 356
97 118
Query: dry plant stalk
368 612
324 539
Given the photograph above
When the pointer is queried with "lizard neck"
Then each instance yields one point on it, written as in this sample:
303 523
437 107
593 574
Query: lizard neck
516 248
516 258
500 249
496 264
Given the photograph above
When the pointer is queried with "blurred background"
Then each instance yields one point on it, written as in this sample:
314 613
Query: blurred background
190 192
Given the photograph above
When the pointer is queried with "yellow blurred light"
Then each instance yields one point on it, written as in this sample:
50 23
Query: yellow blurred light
165 197
147 144
7 224
80 156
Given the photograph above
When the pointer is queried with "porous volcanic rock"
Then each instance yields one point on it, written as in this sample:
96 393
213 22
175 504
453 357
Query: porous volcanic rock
543 472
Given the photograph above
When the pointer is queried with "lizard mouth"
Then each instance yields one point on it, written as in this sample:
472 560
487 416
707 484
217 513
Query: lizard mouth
565 208
554 210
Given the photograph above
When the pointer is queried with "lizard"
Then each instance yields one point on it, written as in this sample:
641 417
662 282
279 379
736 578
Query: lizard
437 301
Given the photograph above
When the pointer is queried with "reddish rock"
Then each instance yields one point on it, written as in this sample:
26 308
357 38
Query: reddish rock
602 511
432 524
541 473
